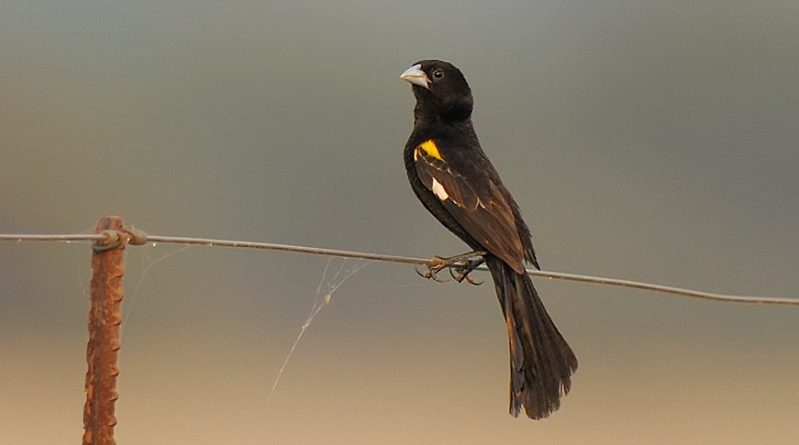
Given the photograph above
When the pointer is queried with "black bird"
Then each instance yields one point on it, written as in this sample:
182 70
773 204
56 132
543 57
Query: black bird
455 181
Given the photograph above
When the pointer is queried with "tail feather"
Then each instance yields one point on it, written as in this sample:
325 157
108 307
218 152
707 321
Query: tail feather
541 361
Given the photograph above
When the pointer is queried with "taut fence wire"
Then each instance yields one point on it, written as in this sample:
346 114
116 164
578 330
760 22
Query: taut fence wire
136 237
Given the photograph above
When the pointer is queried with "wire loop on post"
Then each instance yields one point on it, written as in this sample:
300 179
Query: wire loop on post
111 240
136 237
114 237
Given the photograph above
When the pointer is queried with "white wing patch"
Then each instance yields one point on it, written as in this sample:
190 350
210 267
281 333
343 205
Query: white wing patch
439 191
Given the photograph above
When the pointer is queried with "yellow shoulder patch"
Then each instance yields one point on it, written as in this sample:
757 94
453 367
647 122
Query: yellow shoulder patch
430 148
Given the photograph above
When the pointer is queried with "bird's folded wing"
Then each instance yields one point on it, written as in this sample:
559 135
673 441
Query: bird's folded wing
480 208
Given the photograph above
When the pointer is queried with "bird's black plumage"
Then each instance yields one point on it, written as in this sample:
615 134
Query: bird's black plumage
455 181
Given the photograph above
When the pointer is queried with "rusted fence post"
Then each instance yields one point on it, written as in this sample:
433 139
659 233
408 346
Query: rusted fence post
105 316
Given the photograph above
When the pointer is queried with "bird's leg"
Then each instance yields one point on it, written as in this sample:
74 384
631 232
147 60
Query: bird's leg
461 272
463 265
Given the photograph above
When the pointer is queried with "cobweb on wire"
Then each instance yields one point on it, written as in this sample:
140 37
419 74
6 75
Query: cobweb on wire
328 285
147 263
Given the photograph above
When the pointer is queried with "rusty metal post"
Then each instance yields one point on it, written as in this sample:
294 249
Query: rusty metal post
105 317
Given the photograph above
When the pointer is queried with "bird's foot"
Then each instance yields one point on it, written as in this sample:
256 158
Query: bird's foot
460 266
461 272
432 268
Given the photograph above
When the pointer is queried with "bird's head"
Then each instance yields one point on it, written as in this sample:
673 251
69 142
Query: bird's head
440 88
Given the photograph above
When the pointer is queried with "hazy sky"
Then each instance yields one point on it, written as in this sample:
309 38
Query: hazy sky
650 140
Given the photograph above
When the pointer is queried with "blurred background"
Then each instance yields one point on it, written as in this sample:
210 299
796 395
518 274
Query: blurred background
648 140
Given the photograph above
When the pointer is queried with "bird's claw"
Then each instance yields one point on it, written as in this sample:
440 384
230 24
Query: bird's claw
432 268
459 276
462 272
460 266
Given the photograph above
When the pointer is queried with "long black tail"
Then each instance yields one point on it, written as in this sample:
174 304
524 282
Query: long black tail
541 362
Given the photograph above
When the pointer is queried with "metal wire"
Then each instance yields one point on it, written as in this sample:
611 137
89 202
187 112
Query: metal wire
212 242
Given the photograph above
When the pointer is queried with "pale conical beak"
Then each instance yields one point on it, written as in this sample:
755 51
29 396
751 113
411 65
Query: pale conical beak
416 76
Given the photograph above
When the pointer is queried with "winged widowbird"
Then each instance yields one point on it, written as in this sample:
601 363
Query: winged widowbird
455 181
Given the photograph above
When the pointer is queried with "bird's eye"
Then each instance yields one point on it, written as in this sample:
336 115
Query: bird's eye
438 74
